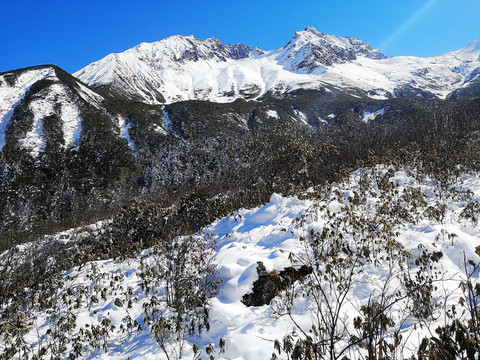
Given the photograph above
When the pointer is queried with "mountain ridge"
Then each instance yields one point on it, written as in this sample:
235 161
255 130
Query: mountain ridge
186 71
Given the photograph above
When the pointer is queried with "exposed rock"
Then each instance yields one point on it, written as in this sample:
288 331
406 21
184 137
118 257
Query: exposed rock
270 283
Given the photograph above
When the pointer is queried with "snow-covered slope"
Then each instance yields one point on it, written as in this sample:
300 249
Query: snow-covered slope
175 68
29 96
12 92
184 68
403 75
276 235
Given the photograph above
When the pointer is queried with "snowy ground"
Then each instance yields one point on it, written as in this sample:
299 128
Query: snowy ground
270 234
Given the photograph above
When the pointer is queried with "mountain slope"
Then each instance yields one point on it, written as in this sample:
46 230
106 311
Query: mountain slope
60 148
112 308
184 68
151 72
407 75
32 95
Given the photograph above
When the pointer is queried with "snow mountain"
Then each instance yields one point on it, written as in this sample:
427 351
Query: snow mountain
123 208
153 72
311 51
184 68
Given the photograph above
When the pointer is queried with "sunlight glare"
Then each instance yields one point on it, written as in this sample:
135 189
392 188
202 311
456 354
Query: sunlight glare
409 22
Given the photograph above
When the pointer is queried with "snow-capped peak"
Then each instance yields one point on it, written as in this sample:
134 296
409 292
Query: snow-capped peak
184 68
157 72
309 51
188 48
470 52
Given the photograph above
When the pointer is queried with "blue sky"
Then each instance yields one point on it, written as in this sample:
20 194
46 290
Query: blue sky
72 34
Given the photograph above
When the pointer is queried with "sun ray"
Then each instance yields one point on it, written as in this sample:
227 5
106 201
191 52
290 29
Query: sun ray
409 22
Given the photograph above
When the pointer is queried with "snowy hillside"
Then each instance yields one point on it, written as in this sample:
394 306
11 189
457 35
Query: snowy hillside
184 68
403 75
12 92
382 233
30 96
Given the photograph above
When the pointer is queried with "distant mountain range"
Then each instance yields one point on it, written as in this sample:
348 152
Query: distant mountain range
184 68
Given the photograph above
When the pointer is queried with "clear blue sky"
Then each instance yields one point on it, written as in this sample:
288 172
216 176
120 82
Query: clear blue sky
72 34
